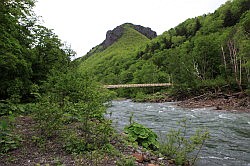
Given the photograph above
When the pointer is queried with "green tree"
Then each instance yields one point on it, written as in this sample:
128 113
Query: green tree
229 19
16 18
28 51
49 53
147 74
206 55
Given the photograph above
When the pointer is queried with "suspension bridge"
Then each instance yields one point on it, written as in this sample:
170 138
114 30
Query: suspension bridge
137 85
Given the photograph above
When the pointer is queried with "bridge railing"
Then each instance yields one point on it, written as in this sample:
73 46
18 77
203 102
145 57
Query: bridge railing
136 85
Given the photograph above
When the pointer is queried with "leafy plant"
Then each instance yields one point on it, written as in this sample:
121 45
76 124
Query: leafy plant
179 147
142 135
74 144
95 135
49 118
8 140
8 108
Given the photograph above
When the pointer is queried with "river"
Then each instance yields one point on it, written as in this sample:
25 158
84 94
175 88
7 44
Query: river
228 145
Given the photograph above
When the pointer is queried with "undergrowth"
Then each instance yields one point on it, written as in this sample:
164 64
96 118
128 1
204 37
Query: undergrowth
8 139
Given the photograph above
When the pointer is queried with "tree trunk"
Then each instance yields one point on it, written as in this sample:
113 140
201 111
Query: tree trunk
234 61
224 60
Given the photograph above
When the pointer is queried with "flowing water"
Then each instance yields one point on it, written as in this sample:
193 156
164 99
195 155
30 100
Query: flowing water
228 145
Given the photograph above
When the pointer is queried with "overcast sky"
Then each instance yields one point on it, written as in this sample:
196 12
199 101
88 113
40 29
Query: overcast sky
83 23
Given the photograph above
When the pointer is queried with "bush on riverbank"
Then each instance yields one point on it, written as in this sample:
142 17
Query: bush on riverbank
182 149
73 99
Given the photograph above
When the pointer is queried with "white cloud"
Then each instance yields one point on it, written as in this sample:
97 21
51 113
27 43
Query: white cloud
84 23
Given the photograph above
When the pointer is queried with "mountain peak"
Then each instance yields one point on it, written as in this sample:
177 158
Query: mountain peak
113 35
116 33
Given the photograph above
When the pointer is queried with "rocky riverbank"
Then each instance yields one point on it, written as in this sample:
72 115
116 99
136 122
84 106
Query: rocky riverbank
234 103
239 102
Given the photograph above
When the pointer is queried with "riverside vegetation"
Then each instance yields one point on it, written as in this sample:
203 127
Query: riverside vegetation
52 110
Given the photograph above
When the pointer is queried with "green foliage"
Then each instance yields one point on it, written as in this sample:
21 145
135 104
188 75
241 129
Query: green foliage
28 51
49 118
126 162
72 109
74 144
142 135
7 107
89 136
95 137
15 44
48 54
8 140
178 146
140 97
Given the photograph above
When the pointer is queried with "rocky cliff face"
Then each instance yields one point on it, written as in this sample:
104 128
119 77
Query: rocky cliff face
148 32
112 36
115 34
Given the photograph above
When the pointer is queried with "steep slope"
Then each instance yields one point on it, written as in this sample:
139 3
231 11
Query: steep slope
207 53
116 53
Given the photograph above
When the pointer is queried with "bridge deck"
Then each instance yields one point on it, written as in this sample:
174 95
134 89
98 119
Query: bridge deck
136 85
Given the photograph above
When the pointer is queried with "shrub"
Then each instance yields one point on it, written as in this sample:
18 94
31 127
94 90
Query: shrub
140 96
178 146
73 102
74 144
96 136
49 118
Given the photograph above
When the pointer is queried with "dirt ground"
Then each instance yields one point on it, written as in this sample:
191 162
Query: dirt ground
51 153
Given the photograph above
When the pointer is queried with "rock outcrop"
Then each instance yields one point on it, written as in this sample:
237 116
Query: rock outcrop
148 32
112 36
115 34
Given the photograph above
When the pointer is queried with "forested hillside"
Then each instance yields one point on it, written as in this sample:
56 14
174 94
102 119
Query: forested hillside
209 52
28 50
110 65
